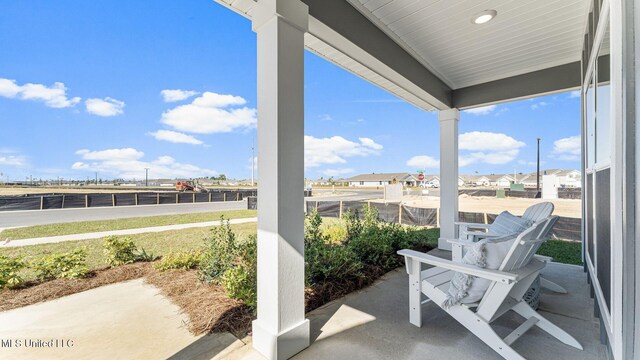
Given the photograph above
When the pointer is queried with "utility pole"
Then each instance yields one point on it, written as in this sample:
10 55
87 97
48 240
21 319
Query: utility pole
538 172
146 177
253 159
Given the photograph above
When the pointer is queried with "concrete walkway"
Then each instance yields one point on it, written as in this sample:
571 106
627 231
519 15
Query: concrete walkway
101 234
128 320
373 324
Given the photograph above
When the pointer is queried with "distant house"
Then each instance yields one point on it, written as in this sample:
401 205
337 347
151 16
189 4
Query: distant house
566 178
373 180
499 180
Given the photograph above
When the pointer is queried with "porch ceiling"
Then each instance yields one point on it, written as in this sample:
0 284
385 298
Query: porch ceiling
429 52
525 36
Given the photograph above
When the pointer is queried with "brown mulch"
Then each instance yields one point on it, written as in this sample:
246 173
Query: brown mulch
36 292
207 305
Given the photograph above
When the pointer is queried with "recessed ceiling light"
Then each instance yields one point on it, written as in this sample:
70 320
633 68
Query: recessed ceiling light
484 17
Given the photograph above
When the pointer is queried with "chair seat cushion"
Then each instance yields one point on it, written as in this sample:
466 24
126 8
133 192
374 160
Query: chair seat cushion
507 224
489 254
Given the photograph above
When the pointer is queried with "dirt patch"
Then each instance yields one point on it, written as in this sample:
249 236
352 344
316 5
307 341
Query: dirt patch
207 305
36 292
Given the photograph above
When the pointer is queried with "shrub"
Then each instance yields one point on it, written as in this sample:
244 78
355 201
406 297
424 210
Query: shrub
329 262
352 224
69 265
240 279
371 217
336 234
9 269
378 245
179 260
312 231
119 250
219 253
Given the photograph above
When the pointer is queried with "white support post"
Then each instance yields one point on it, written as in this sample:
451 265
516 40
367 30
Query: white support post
281 329
448 176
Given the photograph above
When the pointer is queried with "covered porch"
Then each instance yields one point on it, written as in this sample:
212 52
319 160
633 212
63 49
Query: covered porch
372 324
442 56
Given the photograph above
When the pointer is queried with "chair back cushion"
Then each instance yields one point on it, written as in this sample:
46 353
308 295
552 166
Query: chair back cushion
507 224
466 289
537 212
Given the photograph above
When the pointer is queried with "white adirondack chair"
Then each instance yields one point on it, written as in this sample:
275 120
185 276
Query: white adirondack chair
471 232
508 285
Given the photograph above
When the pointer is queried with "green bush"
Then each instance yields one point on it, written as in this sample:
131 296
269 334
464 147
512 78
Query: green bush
240 280
9 269
330 262
312 230
179 261
220 252
336 234
371 217
69 265
119 250
352 224
377 245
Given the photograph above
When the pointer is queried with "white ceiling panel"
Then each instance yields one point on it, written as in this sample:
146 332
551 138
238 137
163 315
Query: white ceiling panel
525 36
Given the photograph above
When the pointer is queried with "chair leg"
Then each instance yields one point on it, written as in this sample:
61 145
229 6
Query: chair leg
415 294
484 332
524 310
550 285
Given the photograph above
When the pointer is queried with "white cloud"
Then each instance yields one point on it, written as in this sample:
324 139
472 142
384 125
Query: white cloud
54 96
334 150
127 163
11 158
484 110
325 117
104 107
574 94
175 137
336 172
423 162
538 105
177 95
487 147
567 149
210 113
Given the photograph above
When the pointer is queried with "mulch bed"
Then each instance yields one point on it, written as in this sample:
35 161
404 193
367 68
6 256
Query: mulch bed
36 292
206 305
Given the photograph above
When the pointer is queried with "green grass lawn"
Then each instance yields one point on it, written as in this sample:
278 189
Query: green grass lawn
567 252
157 244
119 224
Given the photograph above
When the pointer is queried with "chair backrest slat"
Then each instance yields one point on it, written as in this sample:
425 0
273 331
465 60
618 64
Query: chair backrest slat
538 212
527 244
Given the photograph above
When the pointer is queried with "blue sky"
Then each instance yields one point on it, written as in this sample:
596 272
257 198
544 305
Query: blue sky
83 88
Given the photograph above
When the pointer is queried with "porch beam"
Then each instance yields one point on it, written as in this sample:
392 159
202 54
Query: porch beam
281 330
547 81
449 120
375 49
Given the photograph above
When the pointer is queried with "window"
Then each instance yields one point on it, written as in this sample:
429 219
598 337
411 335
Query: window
361 182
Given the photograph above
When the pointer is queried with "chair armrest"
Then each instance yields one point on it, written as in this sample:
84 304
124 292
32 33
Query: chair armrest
483 235
473 225
493 275
462 242
543 258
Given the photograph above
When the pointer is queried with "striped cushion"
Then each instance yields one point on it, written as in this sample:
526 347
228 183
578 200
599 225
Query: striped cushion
507 224
538 212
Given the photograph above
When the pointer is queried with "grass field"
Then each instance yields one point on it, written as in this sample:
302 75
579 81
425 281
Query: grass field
157 244
119 224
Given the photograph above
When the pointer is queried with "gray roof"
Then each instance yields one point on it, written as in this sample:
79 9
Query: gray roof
383 177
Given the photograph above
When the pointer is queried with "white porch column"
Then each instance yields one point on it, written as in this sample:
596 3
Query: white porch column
281 329
448 176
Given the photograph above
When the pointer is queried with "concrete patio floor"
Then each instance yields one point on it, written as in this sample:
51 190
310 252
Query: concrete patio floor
128 320
373 324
